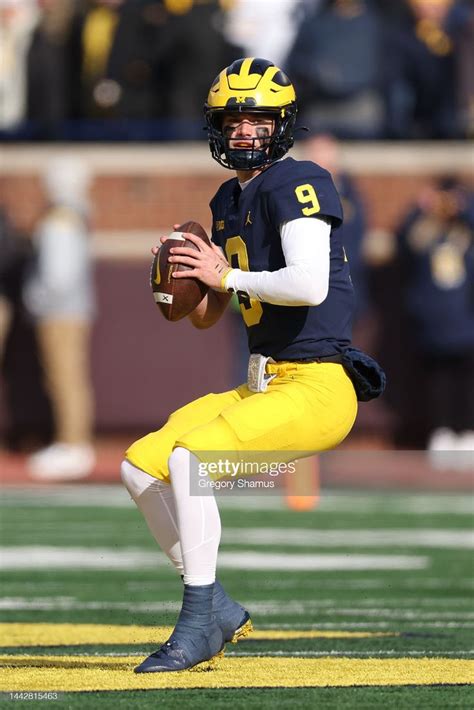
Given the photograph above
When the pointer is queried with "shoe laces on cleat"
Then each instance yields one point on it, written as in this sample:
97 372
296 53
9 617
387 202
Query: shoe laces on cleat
184 651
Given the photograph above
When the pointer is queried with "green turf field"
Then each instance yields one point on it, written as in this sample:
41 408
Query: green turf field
367 601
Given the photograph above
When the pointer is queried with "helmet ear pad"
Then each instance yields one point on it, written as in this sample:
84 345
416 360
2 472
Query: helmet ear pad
283 138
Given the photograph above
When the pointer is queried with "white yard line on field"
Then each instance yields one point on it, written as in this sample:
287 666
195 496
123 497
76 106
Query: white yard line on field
115 496
48 557
435 538
275 608
375 537
308 563
366 607
290 582
368 582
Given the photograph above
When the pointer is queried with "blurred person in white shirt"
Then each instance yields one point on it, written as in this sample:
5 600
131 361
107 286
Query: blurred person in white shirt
251 24
60 296
18 19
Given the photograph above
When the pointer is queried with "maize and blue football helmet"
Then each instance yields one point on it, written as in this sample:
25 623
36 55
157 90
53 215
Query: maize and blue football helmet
251 85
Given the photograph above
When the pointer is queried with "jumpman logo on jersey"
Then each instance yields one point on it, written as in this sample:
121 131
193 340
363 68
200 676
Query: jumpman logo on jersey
248 220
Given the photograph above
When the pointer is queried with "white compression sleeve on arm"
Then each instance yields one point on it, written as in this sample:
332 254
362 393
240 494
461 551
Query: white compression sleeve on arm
304 281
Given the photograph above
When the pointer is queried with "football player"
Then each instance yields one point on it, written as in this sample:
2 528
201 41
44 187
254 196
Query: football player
277 245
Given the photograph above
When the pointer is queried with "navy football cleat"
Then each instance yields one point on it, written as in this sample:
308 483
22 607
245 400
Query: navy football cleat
179 654
196 639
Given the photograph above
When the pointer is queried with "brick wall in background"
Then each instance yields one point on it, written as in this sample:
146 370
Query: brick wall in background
149 187
148 202
120 202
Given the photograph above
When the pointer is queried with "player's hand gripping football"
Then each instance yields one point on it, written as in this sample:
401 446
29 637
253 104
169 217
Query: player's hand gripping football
208 264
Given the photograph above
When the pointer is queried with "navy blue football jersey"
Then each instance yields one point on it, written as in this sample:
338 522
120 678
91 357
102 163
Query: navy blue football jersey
246 225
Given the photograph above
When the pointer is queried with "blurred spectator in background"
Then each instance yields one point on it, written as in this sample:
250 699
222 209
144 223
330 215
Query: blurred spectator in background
336 62
17 22
29 420
59 294
143 60
325 150
430 83
393 12
465 74
194 49
51 84
112 55
8 258
264 29
436 252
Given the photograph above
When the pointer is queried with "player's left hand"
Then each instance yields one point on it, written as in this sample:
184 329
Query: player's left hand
208 264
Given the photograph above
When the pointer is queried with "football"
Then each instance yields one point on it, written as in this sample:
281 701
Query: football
176 298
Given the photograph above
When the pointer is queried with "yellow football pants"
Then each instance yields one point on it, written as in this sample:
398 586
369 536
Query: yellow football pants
307 408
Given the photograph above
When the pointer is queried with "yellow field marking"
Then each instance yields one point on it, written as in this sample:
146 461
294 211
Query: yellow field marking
81 673
15 634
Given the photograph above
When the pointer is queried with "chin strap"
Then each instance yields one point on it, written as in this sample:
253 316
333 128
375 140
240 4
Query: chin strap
246 159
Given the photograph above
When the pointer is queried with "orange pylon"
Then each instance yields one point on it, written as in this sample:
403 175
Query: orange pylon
302 486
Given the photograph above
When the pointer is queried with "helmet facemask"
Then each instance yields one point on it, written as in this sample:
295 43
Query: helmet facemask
266 148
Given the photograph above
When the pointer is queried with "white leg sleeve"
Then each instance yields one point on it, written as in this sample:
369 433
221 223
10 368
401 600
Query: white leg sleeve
198 522
155 500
